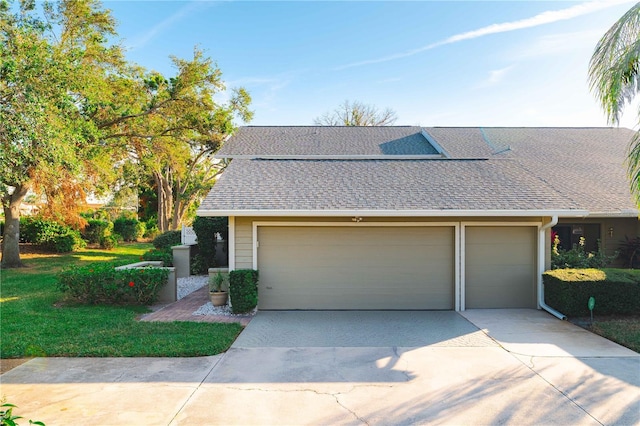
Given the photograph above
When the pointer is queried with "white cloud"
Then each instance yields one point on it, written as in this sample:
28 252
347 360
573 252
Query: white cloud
543 18
142 39
558 44
495 76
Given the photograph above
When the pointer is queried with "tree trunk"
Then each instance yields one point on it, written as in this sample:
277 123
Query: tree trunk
165 201
11 239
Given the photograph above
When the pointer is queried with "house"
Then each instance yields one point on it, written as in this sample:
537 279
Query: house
416 218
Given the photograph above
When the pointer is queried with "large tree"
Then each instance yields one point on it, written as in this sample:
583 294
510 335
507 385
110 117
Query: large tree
614 72
172 129
357 114
52 75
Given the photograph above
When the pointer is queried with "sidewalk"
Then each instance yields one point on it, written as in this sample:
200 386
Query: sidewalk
183 310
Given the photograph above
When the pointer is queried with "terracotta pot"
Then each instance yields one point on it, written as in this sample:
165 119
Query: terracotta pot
218 298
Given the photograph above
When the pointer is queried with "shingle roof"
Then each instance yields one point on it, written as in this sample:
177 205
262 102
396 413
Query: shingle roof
326 140
487 169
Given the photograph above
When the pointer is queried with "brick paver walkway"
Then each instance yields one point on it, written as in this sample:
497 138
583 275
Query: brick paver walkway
183 310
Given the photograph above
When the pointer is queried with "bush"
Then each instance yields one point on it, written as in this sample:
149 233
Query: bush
577 257
50 235
101 283
243 290
151 229
616 291
164 254
109 242
130 229
207 230
66 243
168 239
96 230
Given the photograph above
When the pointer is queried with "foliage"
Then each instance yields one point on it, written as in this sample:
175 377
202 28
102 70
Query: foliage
96 230
35 322
577 257
614 72
164 254
151 228
109 242
168 239
217 281
101 283
629 250
55 64
174 127
50 235
207 230
130 229
8 419
243 290
357 114
616 291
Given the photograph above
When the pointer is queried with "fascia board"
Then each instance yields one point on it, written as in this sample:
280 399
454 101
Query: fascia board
393 213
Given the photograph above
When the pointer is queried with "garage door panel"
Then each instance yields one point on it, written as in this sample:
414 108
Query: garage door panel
500 267
356 267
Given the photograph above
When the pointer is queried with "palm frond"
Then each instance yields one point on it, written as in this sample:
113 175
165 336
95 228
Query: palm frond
614 67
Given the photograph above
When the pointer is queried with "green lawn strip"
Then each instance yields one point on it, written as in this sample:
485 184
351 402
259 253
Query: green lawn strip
36 321
624 331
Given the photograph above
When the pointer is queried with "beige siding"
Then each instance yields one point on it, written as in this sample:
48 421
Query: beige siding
500 267
349 267
244 243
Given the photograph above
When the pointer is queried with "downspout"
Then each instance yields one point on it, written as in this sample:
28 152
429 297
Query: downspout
541 267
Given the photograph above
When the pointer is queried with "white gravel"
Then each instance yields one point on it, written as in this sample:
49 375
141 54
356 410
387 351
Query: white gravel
188 285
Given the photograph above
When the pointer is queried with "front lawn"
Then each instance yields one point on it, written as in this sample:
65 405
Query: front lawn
625 331
34 322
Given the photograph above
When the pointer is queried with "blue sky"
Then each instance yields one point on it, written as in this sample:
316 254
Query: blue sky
455 63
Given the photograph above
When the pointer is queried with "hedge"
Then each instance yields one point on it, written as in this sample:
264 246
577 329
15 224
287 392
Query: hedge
101 283
96 230
128 228
50 235
164 254
168 239
243 290
616 291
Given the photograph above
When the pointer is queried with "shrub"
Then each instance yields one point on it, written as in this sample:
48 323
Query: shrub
101 283
616 291
577 257
50 235
66 243
207 230
630 251
243 290
109 242
151 229
96 230
129 228
167 239
164 254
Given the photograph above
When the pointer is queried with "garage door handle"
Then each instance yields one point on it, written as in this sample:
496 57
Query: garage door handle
269 288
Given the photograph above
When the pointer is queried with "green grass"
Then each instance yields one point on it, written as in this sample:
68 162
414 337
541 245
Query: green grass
34 322
625 331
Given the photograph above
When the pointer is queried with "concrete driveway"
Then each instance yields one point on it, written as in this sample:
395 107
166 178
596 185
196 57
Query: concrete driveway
482 367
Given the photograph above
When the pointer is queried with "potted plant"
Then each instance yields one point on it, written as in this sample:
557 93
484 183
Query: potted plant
216 294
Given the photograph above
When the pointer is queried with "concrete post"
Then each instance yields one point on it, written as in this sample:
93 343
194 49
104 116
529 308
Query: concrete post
181 260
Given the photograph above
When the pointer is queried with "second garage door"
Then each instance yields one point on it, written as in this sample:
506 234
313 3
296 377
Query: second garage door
500 267
349 267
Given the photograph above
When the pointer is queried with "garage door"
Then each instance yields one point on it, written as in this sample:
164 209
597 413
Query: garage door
500 267
356 267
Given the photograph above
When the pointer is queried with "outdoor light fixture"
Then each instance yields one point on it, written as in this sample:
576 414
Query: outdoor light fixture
611 232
